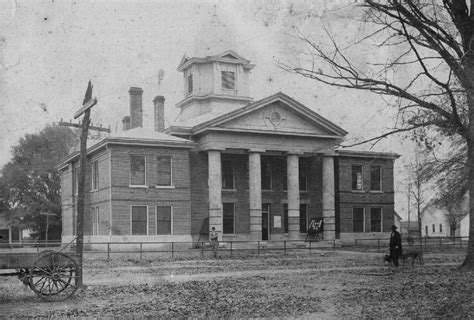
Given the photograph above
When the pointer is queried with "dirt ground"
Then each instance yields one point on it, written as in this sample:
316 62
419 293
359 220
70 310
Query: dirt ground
323 284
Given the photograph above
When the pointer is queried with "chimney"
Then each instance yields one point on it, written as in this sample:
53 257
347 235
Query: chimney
159 103
126 123
136 111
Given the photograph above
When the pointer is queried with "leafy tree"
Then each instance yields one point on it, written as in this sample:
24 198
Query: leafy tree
430 46
30 183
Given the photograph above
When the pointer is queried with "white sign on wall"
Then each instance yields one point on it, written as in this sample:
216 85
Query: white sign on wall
276 222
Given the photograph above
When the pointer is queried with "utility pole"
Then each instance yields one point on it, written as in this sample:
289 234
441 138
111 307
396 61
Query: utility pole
87 104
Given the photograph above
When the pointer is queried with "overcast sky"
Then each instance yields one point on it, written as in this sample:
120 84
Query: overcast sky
50 49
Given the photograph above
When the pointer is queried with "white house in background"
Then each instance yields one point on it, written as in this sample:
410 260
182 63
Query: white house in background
435 223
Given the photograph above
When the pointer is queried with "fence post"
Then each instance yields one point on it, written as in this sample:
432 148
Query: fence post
440 242
108 250
202 249
284 247
231 248
310 246
141 253
258 248
356 242
172 250
378 245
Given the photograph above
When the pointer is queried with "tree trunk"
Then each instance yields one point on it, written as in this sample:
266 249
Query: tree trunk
469 260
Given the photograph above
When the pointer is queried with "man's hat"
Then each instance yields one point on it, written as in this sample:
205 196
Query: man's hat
394 227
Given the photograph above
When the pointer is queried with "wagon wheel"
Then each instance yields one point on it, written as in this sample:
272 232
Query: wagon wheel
54 276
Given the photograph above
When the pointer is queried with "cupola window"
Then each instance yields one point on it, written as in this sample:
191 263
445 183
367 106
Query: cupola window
190 84
228 80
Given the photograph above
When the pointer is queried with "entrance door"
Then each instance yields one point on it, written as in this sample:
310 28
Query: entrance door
265 220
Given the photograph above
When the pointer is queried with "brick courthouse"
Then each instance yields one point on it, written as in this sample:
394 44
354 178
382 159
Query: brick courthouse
255 170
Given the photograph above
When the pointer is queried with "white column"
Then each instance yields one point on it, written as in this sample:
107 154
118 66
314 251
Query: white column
329 208
255 195
215 191
293 197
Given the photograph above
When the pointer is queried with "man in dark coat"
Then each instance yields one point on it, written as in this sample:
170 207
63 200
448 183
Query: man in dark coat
395 245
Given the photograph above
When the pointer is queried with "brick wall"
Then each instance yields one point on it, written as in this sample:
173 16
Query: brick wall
349 199
276 197
115 203
66 202
101 196
199 192
177 196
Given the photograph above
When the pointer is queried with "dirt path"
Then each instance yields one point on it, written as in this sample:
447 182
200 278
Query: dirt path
134 275
310 286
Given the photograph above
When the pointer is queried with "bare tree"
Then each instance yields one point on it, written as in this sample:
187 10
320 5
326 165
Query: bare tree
434 41
418 188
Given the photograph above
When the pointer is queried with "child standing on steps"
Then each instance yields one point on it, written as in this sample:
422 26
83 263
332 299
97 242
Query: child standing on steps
214 239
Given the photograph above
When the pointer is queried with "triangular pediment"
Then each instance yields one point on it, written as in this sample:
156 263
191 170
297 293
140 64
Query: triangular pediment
230 54
183 61
277 114
277 117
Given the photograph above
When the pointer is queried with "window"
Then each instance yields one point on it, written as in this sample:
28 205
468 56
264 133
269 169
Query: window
227 174
440 228
266 175
375 219
376 178
303 173
139 220
303 218
285 218
95 175
137 170
163 220
433 227
228 80
190 84
95 220
356 177
426 230
164 171
228 218
358 219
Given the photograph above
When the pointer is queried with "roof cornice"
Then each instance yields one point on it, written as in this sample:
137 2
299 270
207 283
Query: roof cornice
278 133
367 154
211 96
187 61
128 142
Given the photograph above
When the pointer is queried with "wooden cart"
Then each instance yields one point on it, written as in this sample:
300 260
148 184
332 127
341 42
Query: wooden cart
52 275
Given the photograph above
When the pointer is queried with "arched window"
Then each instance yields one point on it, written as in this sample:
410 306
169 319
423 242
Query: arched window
440 227
433 227
426 230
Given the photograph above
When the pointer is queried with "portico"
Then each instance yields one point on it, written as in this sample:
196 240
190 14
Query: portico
288 196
